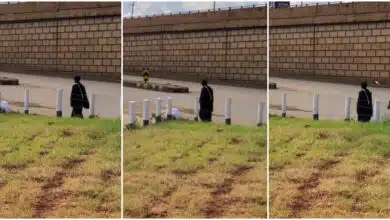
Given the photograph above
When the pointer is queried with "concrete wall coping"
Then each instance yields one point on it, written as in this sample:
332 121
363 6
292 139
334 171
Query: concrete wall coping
236 18
55 10
330 14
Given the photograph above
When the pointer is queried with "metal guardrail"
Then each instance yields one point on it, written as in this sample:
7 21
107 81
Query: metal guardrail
200 11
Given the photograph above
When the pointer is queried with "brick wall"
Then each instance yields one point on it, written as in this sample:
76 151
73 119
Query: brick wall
343 43
224 47
62 39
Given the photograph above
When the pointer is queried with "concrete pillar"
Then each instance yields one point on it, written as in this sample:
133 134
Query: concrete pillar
26 101
315 106
284 104
59 103
169 108
348 108
260 113
146 112
196 109
228 111
92 112
131 115
158 109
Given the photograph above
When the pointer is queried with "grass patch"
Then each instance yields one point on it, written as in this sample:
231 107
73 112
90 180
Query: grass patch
59 168
187 169
329 169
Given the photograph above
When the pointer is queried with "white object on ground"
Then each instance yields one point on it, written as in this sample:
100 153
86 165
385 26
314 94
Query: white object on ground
4 106
175 113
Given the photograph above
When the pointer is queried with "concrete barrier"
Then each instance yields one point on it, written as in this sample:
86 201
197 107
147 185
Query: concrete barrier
8 81
156 86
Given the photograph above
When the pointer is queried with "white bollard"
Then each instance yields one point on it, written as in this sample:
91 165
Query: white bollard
284 104
348 108
260 113
26 100
196 109
59 103
315 106
228 111
131 115
377 111
146 112
158 109
92 106
169 108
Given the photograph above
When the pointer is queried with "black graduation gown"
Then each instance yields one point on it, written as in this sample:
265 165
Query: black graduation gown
206 101
78 99
364 105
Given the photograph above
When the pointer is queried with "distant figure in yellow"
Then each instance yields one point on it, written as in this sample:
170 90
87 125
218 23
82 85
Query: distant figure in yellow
145 74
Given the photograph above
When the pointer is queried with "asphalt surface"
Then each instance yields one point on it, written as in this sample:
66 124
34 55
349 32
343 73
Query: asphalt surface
331 98
244 100
43 95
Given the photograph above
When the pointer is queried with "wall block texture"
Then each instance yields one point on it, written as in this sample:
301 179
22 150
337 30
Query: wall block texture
62 39
346 43
227 47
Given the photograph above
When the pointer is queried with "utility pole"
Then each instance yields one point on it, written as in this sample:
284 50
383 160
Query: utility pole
214 6
132 9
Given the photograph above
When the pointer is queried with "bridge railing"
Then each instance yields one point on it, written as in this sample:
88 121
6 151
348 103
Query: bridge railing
301 4
200 11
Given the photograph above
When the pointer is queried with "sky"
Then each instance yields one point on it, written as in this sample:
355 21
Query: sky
149 8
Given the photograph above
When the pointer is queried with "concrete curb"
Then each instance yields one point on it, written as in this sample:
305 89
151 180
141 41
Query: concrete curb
156 86
8 81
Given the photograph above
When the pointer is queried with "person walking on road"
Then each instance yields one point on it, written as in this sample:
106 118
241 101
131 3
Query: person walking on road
78 98
206 101
364 104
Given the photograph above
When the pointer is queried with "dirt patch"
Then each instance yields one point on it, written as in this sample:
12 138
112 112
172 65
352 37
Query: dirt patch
158 207
106 175
159 211
32 138
49 197
341 154
305 198
202 144
2 185
327 164
184 173
43 153
212 160
217 206
94 135
363 175
14 167
87 152
322 136
235 140
70 164
67 133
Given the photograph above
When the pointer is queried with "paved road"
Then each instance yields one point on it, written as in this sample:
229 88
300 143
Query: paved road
244 100
331 98
43 95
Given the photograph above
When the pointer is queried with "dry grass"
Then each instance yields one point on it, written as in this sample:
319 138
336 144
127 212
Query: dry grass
59 168
187 169
329 169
